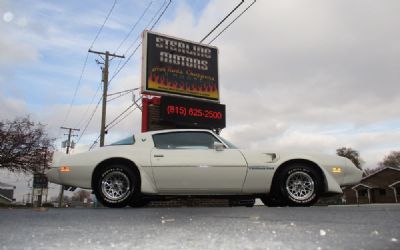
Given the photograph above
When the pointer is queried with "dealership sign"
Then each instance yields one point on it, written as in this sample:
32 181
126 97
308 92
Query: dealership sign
173 66
192 113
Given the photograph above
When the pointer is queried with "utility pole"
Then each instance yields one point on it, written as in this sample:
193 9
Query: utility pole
40 196
105 88
70 130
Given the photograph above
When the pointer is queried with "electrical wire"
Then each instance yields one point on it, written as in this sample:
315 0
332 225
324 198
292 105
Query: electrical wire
84 66
138 37
102 26
133 27
124 64
111 125
223 20
158 19
88 107
123 118
248 7
75 92
94 143
90 119
123 91
131 55
123 112
121 94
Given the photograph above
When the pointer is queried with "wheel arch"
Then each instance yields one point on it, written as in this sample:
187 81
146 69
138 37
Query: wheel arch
115 160
298 161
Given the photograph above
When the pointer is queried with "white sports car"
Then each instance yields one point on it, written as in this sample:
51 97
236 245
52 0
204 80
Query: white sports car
194 162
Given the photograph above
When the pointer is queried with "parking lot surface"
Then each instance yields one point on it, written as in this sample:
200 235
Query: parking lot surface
333 227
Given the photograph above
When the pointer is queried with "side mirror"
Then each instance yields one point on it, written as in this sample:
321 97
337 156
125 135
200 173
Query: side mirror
219 146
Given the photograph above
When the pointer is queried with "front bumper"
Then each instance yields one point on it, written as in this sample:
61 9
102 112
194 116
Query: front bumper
53 174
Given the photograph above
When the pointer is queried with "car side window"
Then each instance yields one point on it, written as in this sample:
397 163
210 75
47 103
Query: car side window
184 140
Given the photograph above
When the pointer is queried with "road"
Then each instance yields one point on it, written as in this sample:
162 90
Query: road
333 227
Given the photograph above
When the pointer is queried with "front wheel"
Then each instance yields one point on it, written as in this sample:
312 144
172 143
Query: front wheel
115 186
300 185
272 201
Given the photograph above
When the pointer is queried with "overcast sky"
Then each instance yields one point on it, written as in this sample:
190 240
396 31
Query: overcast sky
305 75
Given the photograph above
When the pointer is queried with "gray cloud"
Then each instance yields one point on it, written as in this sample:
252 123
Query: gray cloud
289 72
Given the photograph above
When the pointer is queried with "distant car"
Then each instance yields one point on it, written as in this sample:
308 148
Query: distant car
194 162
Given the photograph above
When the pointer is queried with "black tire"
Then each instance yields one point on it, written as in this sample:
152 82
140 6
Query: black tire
299 185
138 201
271 201
116 185
251 204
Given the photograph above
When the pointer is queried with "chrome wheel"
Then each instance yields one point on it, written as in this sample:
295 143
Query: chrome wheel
300 185
115 185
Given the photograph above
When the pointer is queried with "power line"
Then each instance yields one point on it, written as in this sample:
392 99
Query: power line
118 70
120 94
84 66
94 143
90 119
123 65
88 107
158 19
223 20
133 27
110 125
76 90
116 118
102 26
248 7
123 91
131 55
123 118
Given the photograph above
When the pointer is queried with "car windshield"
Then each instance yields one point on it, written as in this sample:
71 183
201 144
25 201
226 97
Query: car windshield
127 141
230 145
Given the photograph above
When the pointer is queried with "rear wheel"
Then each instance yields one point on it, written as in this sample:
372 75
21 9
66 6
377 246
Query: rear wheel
116 185
299 185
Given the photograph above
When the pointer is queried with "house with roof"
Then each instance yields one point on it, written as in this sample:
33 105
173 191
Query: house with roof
6 193
382 186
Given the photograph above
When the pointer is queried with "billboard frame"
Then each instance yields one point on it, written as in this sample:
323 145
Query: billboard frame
144 87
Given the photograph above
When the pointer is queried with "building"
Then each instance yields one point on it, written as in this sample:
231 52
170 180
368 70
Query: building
6 193
382 186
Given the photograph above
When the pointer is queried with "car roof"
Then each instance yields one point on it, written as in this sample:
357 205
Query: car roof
175 130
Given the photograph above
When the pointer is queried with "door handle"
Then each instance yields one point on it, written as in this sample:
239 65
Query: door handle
157 156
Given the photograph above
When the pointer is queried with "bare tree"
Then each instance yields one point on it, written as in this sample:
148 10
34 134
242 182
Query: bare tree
24 146
391 160
351 154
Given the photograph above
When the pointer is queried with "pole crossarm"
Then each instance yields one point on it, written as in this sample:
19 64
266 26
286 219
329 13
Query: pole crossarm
105 53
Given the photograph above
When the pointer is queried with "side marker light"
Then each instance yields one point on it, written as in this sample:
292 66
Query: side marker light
65 169
336 170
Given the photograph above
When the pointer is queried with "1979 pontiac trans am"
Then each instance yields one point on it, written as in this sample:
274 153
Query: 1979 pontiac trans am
194 162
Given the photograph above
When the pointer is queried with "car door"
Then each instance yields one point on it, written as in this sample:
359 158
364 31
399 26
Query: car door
187 163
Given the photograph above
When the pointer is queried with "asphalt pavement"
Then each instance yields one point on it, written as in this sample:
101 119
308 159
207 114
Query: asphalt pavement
334 227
